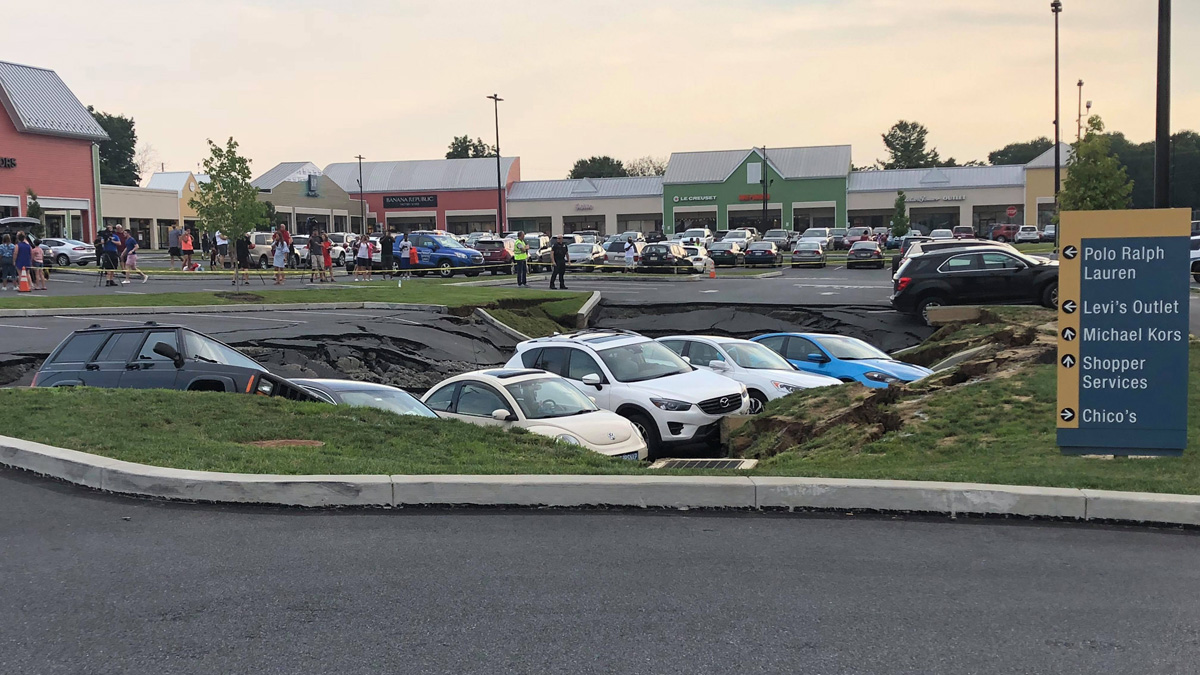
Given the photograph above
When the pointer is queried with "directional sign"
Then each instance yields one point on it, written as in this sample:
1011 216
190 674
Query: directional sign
1123 343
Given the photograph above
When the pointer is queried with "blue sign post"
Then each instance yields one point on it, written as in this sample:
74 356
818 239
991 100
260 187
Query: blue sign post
1123 332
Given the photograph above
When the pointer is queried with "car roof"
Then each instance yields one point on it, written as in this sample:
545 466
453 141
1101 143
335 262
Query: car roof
334 384
597 339
97 328
501 377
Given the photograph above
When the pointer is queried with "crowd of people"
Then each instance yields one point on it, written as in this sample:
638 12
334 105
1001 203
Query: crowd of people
21 253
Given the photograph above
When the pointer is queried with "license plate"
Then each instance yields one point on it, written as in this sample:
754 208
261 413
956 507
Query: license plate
629 455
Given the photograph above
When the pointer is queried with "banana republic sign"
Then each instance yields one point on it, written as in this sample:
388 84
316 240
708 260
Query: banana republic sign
8 162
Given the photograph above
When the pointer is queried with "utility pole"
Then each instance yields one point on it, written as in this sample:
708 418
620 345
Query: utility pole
1056 9
1079 115
1162 132
499 180
765 198
362 204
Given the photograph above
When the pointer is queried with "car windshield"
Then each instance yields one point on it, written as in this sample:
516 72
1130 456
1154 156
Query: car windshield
815 232
721 246
775 234
694 233
643 361
489 245
864 244
941 233
444 241
850 349
762 246
839 230
691 250
616 247
548 397
589 238
205 349
580 248
755 356
396 401
737 234
808 246
655 248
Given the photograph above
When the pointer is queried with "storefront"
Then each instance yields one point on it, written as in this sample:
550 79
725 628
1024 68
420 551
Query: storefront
48 145
1039 185
148 212
940 198
458 195
184 184
305 199
806 187
604 205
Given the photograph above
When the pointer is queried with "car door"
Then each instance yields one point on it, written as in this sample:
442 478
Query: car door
149 370
581 364
701 354
798 351
424 244
966 277
107 367
475 403
1007 277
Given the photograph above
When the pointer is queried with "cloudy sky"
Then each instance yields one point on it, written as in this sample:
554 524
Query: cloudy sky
324 80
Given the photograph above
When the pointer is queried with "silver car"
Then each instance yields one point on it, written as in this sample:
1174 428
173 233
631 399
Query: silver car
68 251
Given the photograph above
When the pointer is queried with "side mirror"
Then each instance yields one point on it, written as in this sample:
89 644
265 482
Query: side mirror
1019 266
591 379
502 415
687 359
164 349
817 358
718 365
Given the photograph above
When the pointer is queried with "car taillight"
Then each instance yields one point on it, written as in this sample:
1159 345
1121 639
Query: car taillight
670 258
903 283
35 378
78 248
878 254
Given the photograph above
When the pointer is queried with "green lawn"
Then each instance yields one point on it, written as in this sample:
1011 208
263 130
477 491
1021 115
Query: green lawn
210 431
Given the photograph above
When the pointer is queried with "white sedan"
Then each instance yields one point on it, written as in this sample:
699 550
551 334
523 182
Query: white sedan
767 375
540 402
698 255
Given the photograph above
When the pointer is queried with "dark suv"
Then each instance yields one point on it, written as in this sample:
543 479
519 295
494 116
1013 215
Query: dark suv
153 356
973 275
664 256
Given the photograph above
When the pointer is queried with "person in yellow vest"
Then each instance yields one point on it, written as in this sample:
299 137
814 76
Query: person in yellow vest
521 258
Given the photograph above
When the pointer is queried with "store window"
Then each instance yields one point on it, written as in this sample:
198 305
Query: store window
983 218
8 212
164 233
580 223
1045 215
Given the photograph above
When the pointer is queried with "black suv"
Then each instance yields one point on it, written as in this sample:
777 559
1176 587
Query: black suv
664 256
154 356
973 275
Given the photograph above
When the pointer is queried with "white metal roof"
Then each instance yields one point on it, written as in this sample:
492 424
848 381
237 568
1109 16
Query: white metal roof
420 175
947 178
1046 159
828 161
173 180
39 102
586 188
295 172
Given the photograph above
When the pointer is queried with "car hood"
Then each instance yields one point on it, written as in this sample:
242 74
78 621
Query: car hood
799 379
693 387
905 371
596 428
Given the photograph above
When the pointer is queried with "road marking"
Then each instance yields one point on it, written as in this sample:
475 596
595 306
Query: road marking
712 291
829 293
840 287
9 325
98 318
251 318
130 292
65 281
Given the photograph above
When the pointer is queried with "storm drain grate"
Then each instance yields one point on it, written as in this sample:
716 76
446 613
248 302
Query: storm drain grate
740 464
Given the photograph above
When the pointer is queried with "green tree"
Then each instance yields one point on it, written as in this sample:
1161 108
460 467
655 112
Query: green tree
35 210
1095 181
906 145
462 147
598 167
899 216
1020 153
118 165
228 202
646 166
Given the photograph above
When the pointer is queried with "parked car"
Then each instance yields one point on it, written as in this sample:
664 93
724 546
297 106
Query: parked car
765 374
963 232
839 238
365 394
664 257
941 234
614 254
537 401
820 234
1195 258
740 237
718 235
917 248
845 358
300 247
669 401
154 356
497 254
1004 232
781 238
855 234
875 232
972 275
864 254
1048 232
585 257
64 252
655 236
754 234
632 234
340 242
698 255
442 254
808 253
700 236
475 237
1028 234
763 253
727 254
588 236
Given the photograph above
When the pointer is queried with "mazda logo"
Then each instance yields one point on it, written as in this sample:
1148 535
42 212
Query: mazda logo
724 401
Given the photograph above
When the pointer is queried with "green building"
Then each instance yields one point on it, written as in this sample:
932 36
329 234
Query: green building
723 189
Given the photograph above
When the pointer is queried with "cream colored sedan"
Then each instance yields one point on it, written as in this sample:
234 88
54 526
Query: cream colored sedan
541 402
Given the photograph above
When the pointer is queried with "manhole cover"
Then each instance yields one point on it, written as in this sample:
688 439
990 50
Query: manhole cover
740 464
287 443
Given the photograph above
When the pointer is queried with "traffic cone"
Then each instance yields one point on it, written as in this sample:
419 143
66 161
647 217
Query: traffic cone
23 281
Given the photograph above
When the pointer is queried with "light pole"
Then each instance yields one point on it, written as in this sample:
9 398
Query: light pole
765 196
362 204
1079 114
1056 9
499 181
1162 131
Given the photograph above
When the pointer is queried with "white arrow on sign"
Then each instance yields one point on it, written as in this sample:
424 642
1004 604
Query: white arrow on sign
1070 252
1067 414
1068 333
1068 361
1069 306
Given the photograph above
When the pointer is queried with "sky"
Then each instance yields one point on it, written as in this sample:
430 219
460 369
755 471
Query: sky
325 80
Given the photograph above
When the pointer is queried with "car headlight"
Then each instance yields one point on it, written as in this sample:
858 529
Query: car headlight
568 438
670 405
265 388
787 388
876 376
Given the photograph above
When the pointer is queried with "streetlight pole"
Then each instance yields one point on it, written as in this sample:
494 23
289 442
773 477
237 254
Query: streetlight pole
499 181
1162 132
1056 9
764 193
362 204
1079 115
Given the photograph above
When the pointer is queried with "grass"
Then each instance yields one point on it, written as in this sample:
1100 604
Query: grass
547 318
210 432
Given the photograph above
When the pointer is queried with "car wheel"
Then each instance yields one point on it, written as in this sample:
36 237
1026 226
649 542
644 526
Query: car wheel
495 272
82 263
296 262
1050 296
62 260
1002 239
420 274
924 305
445 269
1196 277
473 273
758 402
341 261
648 430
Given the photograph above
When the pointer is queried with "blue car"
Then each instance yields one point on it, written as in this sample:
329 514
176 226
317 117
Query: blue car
846 358
443 254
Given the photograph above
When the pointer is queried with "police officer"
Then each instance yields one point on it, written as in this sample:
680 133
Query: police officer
521 258
559 254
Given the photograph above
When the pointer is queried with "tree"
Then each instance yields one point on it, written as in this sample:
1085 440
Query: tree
598 167
35 210
905 143
463 147
117 165
646 166
1095 181
228 202
899 216
146 159
1020 153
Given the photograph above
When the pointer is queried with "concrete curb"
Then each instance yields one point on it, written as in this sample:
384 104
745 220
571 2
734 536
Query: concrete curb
500 325
585 312
676 492
221 309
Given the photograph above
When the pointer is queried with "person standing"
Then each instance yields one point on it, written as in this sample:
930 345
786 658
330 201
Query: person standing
222 246
363 251
23 256
110 242
39 265
241 249
386 242
131 258
8 268
279 255
186 247
521 258
326 256
630 254
558 253
315 256
173 250
405 247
